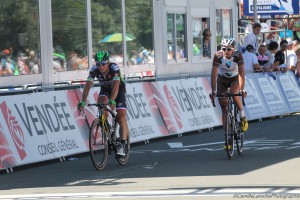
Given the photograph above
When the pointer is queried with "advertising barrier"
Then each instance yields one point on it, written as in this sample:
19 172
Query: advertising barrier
43 126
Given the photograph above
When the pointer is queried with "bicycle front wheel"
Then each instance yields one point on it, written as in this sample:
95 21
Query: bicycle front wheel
229 140
98 145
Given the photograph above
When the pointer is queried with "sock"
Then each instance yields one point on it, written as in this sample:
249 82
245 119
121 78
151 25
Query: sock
242 113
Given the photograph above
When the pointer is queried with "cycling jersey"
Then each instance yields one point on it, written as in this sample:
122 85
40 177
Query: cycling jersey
107 80
228 67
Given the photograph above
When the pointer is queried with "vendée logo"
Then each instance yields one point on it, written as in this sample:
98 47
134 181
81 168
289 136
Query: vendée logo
14 129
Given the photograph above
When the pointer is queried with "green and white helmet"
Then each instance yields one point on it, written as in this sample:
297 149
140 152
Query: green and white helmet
102 56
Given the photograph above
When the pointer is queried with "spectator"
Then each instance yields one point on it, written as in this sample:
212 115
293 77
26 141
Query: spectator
252 38
272 49
297 52
291 56
206 43
280 61
32 63
250 59
262 58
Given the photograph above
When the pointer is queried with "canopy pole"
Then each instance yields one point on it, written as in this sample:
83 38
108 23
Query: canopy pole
124 38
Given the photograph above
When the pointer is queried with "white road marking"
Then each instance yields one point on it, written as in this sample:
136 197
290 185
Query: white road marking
288 193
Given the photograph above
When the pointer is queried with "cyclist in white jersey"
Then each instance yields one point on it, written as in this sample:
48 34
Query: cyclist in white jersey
228 72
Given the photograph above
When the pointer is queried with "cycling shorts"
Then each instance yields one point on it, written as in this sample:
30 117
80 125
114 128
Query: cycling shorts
223 83
120 100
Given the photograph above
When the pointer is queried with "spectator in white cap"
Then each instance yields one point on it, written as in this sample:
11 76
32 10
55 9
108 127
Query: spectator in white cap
250 60
291 60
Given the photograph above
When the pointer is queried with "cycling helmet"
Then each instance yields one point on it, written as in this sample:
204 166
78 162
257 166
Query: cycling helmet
102 56
228 41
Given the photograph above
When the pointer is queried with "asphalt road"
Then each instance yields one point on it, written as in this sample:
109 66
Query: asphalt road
194 166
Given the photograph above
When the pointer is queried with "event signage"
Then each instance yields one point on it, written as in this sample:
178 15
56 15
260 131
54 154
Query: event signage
270 92
255 107
272 7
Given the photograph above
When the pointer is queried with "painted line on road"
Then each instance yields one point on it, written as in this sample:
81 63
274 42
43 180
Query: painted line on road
286 192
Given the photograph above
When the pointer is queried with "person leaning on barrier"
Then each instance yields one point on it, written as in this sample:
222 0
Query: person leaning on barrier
228 72
272 49
280 61
113 92
250 60
262 58
291 58
297 51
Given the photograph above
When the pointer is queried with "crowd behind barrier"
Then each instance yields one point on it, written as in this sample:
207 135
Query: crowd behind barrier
44 126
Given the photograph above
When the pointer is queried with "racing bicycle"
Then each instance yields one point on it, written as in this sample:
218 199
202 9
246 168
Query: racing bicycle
232 125
103 140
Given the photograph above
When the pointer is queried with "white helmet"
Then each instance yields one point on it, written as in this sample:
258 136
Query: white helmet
228 41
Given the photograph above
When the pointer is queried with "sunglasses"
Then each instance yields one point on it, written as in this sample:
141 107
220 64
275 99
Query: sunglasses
226 49
100 63
208 35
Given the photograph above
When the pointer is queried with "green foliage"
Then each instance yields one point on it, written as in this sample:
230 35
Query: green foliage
69 23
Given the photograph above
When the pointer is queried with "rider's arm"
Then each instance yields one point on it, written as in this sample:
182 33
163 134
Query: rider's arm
86 90
214 74
241 72
115 89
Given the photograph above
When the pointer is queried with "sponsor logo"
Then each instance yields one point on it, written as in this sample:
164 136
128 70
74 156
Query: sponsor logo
14 129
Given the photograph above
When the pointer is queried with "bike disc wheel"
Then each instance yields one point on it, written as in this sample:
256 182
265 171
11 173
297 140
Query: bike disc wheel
229 140
239 139
98 145
123 160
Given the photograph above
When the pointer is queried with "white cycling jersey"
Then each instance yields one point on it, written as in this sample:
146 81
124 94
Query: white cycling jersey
228 67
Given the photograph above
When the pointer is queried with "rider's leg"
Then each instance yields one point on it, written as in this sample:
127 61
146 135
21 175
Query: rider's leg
237 99
234 89
121 117
223 104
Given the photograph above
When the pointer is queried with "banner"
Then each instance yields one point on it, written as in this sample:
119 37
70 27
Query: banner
290 90
143 117
255 107
272 7
185 104
271 94
38 127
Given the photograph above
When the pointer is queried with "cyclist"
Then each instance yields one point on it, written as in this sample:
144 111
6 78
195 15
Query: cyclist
112 91
228 72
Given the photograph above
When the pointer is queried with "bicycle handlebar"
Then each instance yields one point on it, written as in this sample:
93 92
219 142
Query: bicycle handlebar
227 95
103 105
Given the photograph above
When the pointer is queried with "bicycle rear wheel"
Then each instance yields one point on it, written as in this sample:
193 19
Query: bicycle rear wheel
123 160
98 145
239 138
229 140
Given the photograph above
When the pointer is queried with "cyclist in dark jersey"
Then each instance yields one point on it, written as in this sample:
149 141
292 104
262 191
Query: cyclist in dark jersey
113 91
228 72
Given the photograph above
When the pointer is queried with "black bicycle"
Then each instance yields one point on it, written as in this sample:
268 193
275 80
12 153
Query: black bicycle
103 138
232 125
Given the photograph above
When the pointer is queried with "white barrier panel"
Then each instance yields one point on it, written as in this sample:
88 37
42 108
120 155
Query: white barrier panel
185 104
290 88
144 119
271 94
44 126
255 107
39 127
